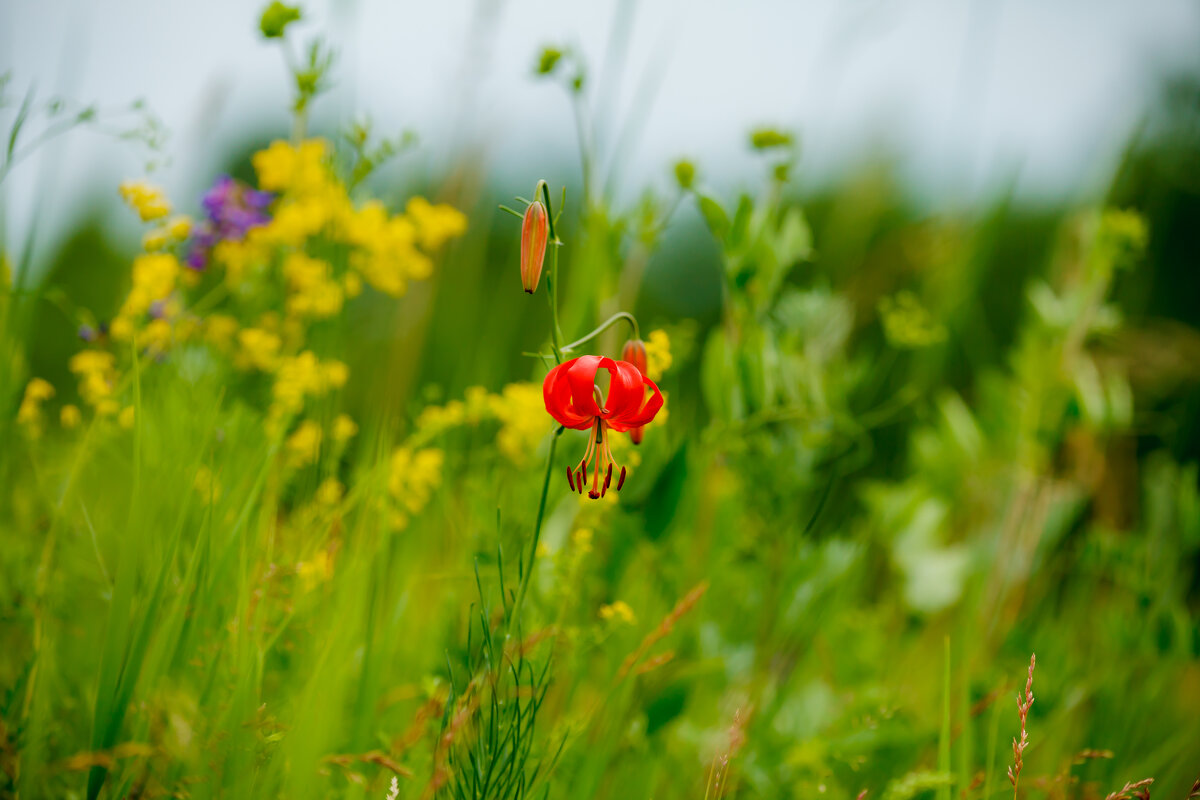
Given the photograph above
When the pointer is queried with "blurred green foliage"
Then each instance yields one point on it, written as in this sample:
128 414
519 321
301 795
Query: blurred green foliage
901 452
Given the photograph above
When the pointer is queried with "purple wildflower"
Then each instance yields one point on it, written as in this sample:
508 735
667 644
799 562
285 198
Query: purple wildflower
232 209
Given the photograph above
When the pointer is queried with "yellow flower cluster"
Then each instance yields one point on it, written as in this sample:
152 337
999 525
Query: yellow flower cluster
172 232
304 445
658 354
302 376
147 200
154 278
412 479
29 415
618 611
386 251
258 348
97 378
283 167
522 414
518 407
313 291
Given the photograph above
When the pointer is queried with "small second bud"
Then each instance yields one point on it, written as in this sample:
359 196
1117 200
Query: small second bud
634 352
535 231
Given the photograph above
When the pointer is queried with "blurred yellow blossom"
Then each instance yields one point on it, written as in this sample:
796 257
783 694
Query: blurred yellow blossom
619 611
435 224
330 492
303 376
304 445
96 375
413 477
522 425
344 428
172 231
316 570
154 277
259 349
658 354
37 391
147 200
155 337
219 330
126 418
283 167
312 290
70 417
582 540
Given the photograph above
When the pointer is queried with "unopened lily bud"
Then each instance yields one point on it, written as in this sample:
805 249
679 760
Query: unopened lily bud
534 232
634 352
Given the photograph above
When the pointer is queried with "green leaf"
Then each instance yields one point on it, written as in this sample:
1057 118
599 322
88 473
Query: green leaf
715 216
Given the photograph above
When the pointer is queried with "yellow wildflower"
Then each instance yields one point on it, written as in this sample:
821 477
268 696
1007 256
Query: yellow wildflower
154 277
313 291
658 354
519 407
582 540
37 391
413 477
174 230
344 428
619 611
330 492
316 570
121 329
435 224
126 418
156 336
96 375
283 167
259 349
304 375
219 330
147 200
69 416
352 284
304 445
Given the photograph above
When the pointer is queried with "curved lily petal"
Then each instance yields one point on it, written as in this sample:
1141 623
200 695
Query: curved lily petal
626 392
581 377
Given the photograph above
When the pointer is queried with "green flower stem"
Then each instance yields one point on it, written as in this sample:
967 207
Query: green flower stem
608 323
537 532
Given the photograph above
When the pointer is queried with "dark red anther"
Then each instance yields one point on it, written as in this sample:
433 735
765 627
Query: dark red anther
608 476
570 479
621 480
579 481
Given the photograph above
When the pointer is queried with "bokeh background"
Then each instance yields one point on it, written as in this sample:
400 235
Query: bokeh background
891 512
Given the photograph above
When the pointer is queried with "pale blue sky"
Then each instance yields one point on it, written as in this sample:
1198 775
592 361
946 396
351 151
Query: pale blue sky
964 93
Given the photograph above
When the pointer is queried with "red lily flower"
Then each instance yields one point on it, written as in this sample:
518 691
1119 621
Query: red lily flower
575 401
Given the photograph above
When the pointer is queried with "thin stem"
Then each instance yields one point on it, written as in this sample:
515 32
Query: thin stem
537 530
556 336
608 323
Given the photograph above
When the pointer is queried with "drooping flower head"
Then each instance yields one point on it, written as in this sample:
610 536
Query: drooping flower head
575 400
232 209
